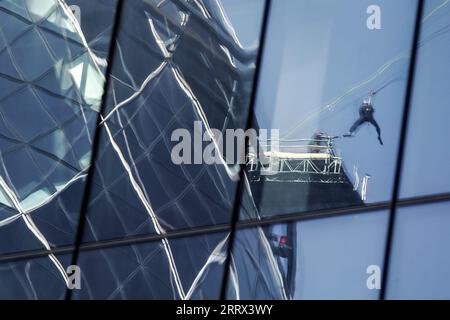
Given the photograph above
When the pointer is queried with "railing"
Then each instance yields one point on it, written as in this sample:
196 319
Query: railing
317 157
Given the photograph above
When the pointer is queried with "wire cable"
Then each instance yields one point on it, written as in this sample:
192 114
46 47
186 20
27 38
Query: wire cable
386 66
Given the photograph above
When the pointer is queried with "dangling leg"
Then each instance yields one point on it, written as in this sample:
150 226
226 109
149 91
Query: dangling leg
355 126
377 127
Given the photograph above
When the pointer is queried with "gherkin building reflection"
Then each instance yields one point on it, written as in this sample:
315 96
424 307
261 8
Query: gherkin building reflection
91 93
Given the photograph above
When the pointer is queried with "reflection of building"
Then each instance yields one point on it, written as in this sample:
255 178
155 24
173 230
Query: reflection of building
175 62
51 84
300 181
260 271
179 61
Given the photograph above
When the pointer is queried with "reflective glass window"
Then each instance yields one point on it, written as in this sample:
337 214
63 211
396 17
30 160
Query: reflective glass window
52 63
184 268
333 85
428 128
34 279
330 258
179 66
420 263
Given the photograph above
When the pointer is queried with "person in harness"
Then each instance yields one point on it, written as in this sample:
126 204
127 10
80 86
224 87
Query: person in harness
366 112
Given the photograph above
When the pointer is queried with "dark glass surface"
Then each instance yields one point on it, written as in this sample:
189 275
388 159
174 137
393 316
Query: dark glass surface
181 61
34 279
420 263
176 62
51 83
189 268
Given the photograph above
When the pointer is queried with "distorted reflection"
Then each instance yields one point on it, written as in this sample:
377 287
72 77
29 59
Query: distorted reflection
51 83
32 279
336 95
317 259
198 67
333 87
145 271
176 63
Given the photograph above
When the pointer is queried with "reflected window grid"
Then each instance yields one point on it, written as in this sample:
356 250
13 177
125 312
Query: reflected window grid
80 81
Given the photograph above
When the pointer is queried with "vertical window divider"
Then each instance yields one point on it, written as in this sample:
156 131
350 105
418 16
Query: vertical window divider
249 124
401 151
96 141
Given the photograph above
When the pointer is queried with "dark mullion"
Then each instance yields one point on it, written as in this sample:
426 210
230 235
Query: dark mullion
401 150
249 124
96 140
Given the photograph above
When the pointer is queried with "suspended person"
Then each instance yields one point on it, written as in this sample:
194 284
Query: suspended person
366 112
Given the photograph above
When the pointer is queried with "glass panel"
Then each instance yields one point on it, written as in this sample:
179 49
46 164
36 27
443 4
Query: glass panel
178 65
328 83
190 268
51 83
428 126
332 258
34 279
420 263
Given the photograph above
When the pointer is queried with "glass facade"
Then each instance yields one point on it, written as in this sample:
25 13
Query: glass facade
51 79
154 90
310 89
128 169
184 268
428 110
420 264
315 259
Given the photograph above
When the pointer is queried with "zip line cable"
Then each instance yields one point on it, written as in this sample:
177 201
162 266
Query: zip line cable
337 100
374 76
